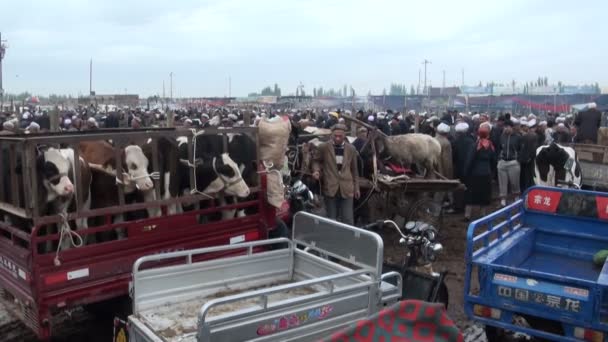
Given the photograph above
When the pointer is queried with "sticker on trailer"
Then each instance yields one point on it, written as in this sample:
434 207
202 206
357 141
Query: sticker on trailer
504 277
237 239
78 274
545 299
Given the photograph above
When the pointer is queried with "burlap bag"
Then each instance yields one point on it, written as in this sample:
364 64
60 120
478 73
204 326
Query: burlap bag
275 190
273 138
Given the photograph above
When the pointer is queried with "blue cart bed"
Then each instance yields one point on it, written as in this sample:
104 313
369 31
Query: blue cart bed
534 259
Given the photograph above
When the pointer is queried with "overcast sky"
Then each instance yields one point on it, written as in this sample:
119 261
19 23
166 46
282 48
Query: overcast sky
369 44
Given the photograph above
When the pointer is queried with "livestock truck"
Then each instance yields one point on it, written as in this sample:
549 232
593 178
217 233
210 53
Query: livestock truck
42 283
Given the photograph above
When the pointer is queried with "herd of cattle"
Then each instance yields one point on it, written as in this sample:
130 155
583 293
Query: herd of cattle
232 171
222 163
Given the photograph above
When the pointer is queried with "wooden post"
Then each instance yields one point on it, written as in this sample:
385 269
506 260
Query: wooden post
14 181
54 119
118 146
30 181
170 119
77 178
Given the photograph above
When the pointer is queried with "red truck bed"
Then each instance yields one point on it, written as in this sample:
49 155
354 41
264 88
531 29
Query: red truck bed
101 271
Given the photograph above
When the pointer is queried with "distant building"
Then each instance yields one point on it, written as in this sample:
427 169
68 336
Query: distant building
447 91
126 100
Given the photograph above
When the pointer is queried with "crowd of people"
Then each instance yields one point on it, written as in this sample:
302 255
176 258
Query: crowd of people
477 148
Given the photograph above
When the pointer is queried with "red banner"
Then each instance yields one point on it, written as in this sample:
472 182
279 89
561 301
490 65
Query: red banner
602 207
543 200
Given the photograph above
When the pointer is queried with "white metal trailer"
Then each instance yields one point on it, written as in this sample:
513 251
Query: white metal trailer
262 294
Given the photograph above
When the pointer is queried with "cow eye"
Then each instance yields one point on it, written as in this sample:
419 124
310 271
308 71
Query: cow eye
55 180
132 166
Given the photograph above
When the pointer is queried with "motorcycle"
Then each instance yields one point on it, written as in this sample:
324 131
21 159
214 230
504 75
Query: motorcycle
300 198
420 251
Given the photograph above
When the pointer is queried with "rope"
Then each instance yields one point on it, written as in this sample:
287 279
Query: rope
268 168
66 232
129 179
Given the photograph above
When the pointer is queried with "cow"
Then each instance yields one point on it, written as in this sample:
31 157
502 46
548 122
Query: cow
135 166
55 172
216 171
557 165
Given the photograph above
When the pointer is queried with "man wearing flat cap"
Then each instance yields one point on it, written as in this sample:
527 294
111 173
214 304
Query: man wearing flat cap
336 167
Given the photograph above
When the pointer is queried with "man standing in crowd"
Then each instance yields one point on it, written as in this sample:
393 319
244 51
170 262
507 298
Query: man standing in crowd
587 124
337 167
529 144
508 166
461 150
445 163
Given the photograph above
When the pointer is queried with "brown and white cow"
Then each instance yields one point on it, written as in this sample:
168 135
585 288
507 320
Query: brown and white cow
136 176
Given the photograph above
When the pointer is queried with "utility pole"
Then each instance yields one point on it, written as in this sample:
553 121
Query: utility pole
2 52
425 62
419 77
443 86
462 83
91 78
229 86
163 90
171 85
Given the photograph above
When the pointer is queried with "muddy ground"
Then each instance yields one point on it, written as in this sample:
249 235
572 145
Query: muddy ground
82 325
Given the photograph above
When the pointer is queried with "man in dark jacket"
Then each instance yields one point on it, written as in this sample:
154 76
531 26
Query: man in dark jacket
450 117
529 144
587 124
462 146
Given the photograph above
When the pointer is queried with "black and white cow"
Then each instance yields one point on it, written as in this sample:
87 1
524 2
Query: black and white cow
55 169
557 165
216 171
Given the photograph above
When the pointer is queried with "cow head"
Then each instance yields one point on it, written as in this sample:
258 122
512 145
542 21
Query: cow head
137 167
229 178
553 156
55 169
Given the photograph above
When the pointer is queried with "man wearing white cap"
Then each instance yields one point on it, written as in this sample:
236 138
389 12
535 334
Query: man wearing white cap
32 128
461 150
587 124
562 136
529 144
8 128
446 167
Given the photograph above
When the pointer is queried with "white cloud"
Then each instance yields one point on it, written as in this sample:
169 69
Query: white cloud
135 44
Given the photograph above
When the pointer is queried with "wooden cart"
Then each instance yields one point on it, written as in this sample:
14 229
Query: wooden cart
411 198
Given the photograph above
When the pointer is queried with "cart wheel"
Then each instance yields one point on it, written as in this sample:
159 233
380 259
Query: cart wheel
443 296
428 211
376 206
494 334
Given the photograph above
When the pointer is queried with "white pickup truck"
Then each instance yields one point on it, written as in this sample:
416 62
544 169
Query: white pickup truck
254 293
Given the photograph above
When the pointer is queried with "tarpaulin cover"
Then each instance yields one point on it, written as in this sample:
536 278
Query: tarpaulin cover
408 320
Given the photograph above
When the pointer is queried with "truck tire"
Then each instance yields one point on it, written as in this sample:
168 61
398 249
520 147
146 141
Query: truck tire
494 334
280 231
